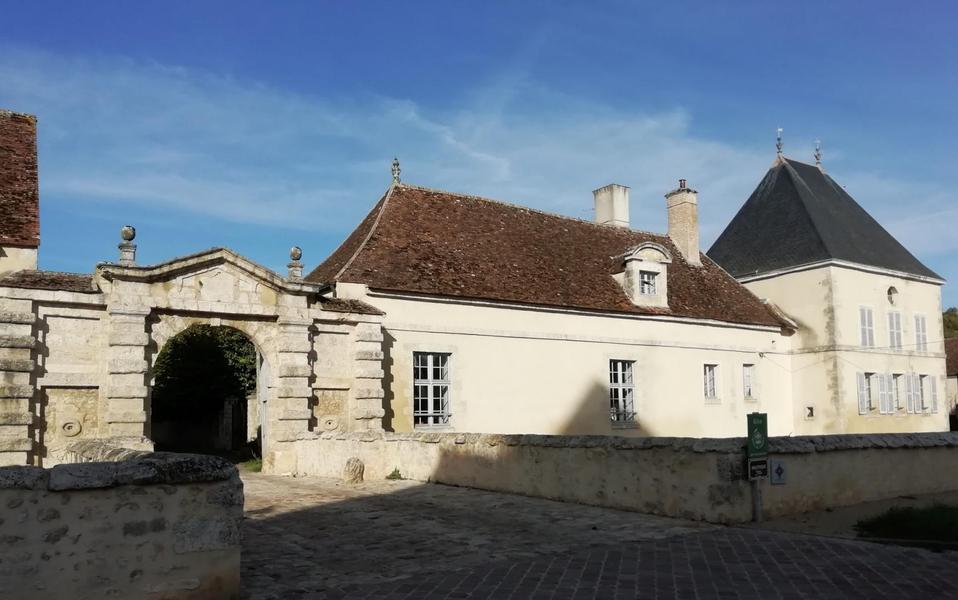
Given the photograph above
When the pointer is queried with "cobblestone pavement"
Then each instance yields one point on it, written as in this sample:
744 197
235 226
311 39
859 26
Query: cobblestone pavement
320 538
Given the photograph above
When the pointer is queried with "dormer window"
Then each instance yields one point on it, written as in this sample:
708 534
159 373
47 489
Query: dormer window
645 277
647 283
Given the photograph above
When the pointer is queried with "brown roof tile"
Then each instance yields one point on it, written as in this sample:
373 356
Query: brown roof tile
49 280
438 243
349 306
19 191
951 356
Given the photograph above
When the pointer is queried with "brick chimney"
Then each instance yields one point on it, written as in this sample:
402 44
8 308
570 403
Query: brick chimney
683 207
612 205
19 192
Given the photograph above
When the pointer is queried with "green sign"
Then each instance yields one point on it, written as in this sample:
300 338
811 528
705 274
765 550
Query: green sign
757 435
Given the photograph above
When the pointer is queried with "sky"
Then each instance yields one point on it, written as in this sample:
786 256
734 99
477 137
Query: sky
262 125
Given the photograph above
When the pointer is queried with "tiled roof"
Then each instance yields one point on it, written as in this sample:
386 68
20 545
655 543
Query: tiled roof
349 306
951 356
49 280
19 192
426 241
799 215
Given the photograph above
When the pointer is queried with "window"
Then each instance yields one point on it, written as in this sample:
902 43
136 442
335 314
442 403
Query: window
911 387
430 388
895 391
867 326
921 334
886 401
929 393
647 279
710 377
748 378
894 330
865 404
621 392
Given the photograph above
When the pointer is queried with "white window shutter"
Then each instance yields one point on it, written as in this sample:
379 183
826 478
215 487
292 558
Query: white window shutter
934 394
883 394
862 395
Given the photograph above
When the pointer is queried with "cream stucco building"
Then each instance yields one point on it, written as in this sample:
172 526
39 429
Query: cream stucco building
449 312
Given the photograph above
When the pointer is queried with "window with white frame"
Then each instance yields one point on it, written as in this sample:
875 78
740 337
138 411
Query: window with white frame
894 330
912 393
896 391
929 393
710 382
865 403
921 334
647 283
886 401
867 326
621 391
748 382
430 388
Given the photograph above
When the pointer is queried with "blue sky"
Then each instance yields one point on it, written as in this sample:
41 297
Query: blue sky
259 125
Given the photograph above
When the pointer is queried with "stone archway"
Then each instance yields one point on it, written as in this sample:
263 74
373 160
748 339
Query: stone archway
319 358
203 394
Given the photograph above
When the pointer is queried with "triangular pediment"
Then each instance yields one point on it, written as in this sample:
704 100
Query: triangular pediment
215 275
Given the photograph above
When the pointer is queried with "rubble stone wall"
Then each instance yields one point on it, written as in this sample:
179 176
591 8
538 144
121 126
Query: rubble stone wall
702 479
151 525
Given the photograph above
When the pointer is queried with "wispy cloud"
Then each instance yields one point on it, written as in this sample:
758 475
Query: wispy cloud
115 131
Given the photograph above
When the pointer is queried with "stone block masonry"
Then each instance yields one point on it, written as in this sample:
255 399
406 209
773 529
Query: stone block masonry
151 525
701 479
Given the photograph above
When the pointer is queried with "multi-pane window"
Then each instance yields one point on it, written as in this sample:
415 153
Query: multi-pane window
621 391
710 381
921 334
865 393
867 326
430 388
894 330
647 283
929 393
895 391
748 379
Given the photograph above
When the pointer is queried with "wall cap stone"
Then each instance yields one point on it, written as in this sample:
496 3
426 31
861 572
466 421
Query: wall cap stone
734 446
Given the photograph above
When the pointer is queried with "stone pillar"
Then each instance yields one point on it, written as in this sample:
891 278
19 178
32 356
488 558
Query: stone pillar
126 390
367 394
17 365
289 411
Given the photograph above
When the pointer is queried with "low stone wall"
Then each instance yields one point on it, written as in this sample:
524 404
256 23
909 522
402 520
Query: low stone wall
153 525
699 479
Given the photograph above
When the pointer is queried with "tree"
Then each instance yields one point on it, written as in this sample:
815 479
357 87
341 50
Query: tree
200 367
950 318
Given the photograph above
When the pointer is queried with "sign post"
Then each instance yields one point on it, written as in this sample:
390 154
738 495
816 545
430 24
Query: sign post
756 453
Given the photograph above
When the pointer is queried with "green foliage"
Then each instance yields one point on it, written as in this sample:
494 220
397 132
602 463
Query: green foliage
395 474
938 522
950 318
254 465
200 367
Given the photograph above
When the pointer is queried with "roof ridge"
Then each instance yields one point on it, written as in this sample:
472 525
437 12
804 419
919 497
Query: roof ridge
372 230
528 208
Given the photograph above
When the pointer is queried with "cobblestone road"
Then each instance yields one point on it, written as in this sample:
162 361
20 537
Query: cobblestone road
319 538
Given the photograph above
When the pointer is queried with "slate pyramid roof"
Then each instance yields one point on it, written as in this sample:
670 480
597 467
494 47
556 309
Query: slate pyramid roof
798 215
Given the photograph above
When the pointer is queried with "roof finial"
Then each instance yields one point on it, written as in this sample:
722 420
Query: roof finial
778 142
818 153
396 170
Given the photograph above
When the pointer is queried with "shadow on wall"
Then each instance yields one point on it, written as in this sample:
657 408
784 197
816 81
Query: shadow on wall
389 343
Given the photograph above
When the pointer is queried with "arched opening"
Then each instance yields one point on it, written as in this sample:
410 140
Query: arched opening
204 396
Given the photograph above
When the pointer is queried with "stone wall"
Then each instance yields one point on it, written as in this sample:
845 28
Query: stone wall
153 525
680 477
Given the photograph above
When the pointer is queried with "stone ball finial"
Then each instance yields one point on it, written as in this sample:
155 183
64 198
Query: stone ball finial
295 253
128 233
